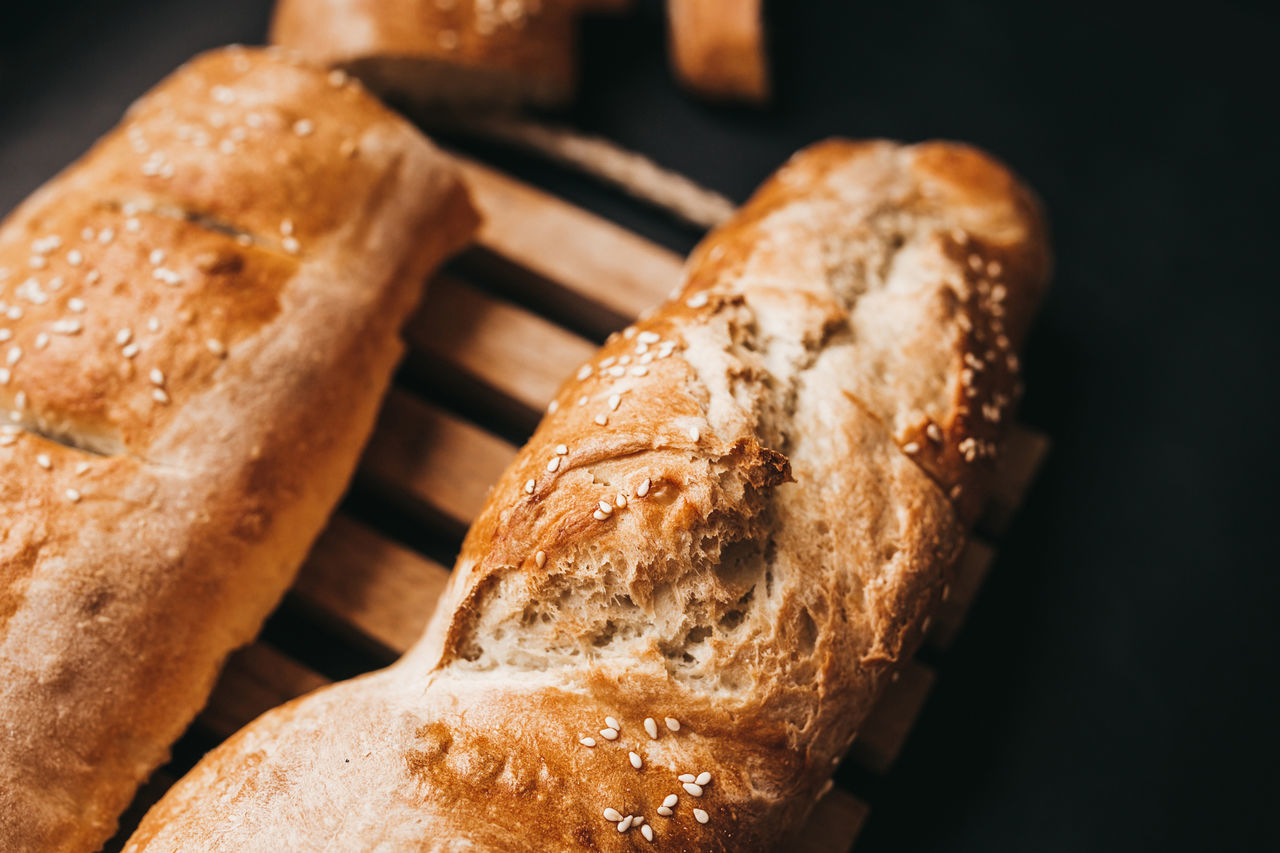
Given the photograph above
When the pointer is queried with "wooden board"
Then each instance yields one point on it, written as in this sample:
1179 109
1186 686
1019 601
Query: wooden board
570 270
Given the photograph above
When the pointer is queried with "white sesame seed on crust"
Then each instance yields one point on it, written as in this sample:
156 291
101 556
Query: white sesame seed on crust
599 516
216 347
529 486
612 814
694 434
584 372
651 726
665 811
617 371
612 723
641 492
686 777
553 464
933 431
77 305
609 734
670 801
601 419
700 816
672 722
704 778
130 351
304 127
698 300
124 336
692 789
561 449
82 468
160 396
649 337
625 824
291 245
588 741
639 370
615 400
911 447
647 832
636 761
620 501
607 509
156 376
73 495
44 461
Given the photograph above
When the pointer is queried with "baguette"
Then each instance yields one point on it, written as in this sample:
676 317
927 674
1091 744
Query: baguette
457 52
684 595
198 320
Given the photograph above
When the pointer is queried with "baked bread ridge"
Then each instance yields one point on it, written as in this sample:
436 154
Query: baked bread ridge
720 521
199 320
491 52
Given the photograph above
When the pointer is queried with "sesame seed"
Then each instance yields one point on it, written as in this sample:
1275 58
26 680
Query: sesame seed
612 814
73 495
704 778
609 734
124 336
75 257
647 832
7 439
615 400
601 419
584 372
641 492
598 515
959 236
582 401
337 77
304 127
651 726
933 431
636 761
553 464
157 257
38 262
81 468
5 335
92 277
42 340
672 722
588 741
106 235
130 351
606 508
639 371
156 376
617 371
620 501
694 434
44 461
686 777
291 245
5 374
552 407
994 268
700 816
216 347
697 301
529 486
612 723
911 447
77 305
649 337
133 224
160 396
670 801
665 811
14 356
625 824
67 327
540 558
14 313
562 449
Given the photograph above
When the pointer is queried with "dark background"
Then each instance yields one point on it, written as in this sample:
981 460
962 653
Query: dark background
1114 688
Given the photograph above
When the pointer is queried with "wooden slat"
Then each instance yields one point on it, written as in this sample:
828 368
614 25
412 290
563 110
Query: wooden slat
885 730
833 825
512 352
363 581
1024 453
430 458
256 679
971 570
543 239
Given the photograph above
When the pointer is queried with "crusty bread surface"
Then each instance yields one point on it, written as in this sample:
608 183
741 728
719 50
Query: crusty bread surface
685 594
197 322
457 52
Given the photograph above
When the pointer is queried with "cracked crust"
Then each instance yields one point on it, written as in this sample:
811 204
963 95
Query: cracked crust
197 321
720 521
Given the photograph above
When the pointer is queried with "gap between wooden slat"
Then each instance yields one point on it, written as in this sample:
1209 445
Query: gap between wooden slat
833 825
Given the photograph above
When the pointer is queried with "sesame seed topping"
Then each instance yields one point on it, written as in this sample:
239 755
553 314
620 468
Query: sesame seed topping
615 400
582 401
620 501
639 370
92 277
598 515
641 492
636 761
304 127
42 340
601 419
44 461
529 486
561 449
617 371
612 723
612 814
704 778
540 558
124 336
697 301
911 447
700 816
216 347
588 741
291 245
606 508
553 464
672 722
933 431
625 824
77 305
686 777
156 376
7 439
82 468
14 356
5 334
552 407
583 373
73 495
75 257
975 263
648 337
160 396
670 801
647 832
130 351
156 257
651 726
609 734
694 434
665 811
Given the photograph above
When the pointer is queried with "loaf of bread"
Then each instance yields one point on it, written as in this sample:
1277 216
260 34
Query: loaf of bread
197 322
686 592
458 52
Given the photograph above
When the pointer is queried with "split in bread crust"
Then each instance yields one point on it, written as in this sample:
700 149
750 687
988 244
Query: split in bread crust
197 322
685 594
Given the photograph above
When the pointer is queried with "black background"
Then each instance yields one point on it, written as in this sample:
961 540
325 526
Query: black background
1114 688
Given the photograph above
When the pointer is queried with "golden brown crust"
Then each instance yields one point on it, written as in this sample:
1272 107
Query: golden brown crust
199 318
718 521
430 51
